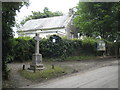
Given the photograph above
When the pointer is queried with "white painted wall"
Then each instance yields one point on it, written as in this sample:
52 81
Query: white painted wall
45 33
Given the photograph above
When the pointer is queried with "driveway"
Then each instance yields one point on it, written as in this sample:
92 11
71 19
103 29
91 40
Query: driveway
72 67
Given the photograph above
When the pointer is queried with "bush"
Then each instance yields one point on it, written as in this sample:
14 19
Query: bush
89 45
111 48
24 47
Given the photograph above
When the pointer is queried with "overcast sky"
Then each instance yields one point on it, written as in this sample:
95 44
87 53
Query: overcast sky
53 5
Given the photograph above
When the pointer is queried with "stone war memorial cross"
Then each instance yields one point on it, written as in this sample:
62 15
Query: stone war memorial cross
37 38
36 57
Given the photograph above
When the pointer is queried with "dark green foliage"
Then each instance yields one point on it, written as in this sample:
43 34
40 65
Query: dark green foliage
98 19
89 45
8 20
8 13
23 48
111 48
51 49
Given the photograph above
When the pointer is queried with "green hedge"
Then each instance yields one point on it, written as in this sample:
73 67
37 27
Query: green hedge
23 48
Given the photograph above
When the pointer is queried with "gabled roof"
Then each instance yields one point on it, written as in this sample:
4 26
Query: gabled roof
46 23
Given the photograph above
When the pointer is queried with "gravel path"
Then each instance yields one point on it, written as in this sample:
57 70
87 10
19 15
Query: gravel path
15 78
17 81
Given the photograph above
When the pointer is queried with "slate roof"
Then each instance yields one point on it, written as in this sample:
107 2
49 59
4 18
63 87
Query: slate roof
46 23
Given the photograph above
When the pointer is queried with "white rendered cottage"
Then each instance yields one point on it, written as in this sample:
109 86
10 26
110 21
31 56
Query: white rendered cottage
59 25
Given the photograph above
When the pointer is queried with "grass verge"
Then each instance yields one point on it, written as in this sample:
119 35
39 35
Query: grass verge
72 58
78 58
43 74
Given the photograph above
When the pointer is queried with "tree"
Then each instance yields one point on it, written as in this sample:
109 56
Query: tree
37 15
98 19
8 20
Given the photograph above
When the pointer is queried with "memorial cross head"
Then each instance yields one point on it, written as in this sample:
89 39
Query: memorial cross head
37 38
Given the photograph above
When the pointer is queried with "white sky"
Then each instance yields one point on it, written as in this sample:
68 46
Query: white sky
53 5
38 5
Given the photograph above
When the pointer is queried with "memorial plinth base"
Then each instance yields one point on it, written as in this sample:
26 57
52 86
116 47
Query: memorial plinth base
36 67
36 62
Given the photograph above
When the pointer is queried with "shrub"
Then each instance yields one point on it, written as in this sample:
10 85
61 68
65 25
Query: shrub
111 48
89 45
23 48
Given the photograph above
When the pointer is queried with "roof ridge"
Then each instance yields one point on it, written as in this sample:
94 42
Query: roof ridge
47 18
51 22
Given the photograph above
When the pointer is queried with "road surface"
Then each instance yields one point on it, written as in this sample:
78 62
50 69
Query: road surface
104 77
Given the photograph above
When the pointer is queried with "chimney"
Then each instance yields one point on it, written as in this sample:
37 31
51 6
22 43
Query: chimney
71 11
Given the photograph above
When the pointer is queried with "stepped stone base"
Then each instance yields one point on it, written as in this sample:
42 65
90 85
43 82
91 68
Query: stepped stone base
36 62
37 67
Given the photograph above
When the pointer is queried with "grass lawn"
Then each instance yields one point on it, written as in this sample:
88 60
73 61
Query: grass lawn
43 74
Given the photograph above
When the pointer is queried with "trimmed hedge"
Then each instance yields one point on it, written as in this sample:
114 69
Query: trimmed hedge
23 48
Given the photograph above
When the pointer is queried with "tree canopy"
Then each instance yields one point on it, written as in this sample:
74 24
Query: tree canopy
8 20
37 15
98 19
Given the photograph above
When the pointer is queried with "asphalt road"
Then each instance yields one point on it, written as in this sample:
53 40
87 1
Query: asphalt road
104 77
